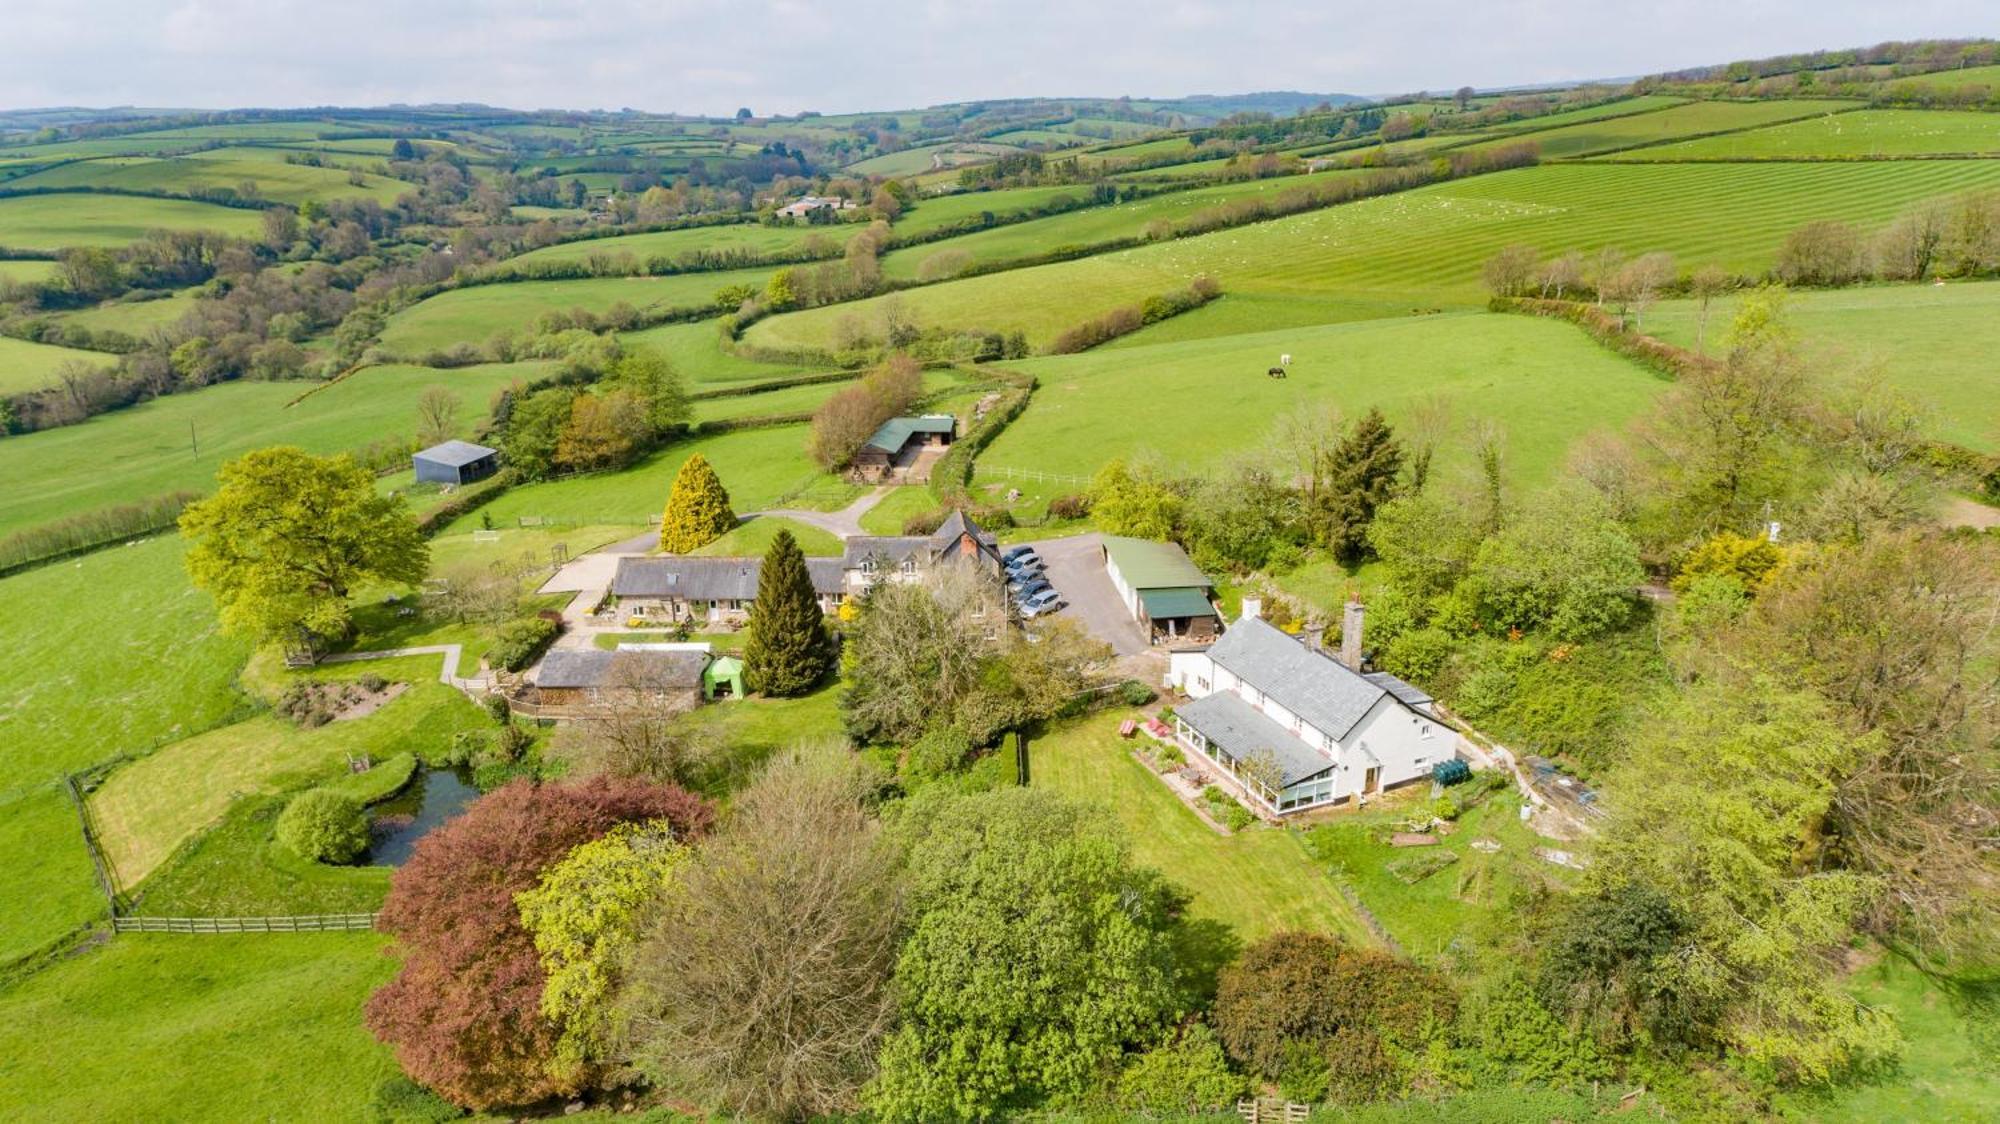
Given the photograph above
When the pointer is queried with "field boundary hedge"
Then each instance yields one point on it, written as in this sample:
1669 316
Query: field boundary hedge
1713 132
951 476
232 200
85 532
749 389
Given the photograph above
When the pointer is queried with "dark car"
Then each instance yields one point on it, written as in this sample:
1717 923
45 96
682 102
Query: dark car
1022 551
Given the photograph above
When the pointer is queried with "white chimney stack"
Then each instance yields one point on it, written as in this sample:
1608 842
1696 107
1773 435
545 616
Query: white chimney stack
1350 633
1253 607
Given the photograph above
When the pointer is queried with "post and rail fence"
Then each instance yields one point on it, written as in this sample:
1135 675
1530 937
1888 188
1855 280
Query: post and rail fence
1035 474
306 923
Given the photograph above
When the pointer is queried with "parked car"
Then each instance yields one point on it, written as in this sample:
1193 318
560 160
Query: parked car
1028 565
1047 601
1021 551
1022 590
1030 612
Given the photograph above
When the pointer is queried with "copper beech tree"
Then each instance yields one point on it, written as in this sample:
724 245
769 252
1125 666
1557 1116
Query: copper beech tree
465 1013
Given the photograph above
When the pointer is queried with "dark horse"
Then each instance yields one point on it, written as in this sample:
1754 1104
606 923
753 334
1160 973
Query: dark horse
1276 372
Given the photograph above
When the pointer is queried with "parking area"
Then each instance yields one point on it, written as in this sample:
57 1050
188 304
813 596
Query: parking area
1076 569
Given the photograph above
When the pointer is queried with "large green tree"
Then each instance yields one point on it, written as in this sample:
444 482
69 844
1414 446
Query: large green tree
697 508
1361 474
289 535
1564 565
788 648
1037 952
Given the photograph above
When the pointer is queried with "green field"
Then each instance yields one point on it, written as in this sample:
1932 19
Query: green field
160 1027
797 399
49 888
130 454
1544 382
32 366
1935 341
51 222
695 351
758 466
26 272
1689 120
742 237
1953 79
1644 103
134 318
275 180
474 315
1868 132
893 510
752 539
1257 881
1424 248
236 869
941 211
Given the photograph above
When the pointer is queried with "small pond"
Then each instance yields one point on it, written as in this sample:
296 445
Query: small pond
432 797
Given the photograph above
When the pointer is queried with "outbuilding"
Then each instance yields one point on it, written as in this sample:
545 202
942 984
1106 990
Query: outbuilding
904 449
455 462
1162 588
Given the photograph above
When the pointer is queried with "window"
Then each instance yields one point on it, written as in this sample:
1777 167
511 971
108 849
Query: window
1425 731
909 565
1201 684
867 565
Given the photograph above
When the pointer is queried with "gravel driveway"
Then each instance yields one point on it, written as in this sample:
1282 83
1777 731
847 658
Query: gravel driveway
1076 569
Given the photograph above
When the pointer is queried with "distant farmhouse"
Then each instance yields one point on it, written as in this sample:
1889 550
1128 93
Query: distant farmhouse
904 449
1162 588
1324 729
804 208
718 592
455 462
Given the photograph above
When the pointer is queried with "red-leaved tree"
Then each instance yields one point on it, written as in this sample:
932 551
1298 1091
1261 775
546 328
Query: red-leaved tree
464 1014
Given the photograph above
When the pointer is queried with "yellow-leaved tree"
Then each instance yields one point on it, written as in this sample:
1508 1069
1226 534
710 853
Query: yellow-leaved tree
697 508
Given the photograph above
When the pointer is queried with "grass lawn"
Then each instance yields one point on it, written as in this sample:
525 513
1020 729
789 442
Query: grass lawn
771 403
745 733
48 886
1427 915
32 366
26 271
238 870
1687 120
161 1027
760 467
473 315
893 510
147 808
275 180
1868 132
1544 382
51 222
1257 881
130 454
752 539
1425 248
1934 342
1947 1075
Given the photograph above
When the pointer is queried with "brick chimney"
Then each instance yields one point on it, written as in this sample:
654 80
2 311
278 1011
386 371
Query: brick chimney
1350 633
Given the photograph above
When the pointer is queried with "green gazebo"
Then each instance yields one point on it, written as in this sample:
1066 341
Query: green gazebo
723 678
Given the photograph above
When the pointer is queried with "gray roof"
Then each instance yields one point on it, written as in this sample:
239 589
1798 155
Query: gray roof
896 432
1407 693
595 667
1228 721
457 454
1310 684
709 579
957 526
892 549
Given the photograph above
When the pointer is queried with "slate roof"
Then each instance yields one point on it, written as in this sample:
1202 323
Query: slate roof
595 667
1316 687
896 432
710 579
1145 564
1409 694
457 454
890 550
1228 721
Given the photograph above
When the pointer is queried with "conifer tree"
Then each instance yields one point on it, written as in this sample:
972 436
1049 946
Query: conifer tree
1362 474
788 648
697 509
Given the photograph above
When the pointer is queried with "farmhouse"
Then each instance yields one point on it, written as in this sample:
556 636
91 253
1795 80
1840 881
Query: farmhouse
905 448
1162 588
1298 728
804 207
958 541
714 591
581 677
455 462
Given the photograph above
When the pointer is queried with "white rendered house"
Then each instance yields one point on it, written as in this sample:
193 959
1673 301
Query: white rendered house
1315 729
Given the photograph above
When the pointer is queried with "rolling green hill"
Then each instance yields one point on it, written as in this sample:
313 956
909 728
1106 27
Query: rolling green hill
51 222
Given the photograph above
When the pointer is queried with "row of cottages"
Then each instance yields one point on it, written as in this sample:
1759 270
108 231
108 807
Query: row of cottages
1163 590
905 448
720 591
570 679
1330 730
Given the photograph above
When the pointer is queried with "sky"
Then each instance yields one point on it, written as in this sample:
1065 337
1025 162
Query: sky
834 56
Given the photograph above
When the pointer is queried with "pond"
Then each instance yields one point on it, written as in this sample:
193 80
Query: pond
432 797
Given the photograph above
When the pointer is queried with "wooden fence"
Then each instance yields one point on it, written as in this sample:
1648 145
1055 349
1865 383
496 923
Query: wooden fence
308 923
1034 474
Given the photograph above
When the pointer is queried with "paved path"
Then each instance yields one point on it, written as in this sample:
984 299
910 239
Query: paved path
447 675
842 524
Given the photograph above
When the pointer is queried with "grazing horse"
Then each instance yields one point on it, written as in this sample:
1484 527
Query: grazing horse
1275 372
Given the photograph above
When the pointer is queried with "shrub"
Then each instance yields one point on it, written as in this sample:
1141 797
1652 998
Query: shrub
521 642
1171 757
1134 693
324 826
1187 1075
499 709
1073 506
399 1100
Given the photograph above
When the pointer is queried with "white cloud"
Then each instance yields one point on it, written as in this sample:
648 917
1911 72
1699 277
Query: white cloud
786 55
